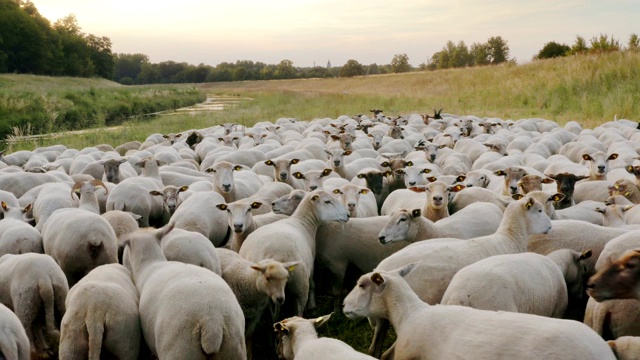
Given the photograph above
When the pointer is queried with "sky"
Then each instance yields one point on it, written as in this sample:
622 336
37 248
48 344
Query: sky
313 32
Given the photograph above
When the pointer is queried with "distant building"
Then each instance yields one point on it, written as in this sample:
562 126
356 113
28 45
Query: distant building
328 64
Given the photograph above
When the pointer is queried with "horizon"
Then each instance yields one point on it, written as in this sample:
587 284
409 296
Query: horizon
321 31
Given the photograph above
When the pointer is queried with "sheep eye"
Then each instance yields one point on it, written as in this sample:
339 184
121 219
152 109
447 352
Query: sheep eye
327 202
403 219
539 211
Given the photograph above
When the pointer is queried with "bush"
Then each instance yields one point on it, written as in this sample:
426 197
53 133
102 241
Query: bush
552 49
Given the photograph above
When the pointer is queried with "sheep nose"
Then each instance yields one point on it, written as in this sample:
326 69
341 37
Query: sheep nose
601 168
412 183
351 206
237 227
469 185
336 163
382 239
513 188
283 176
437 198
226 187
432 157
280 300
313 187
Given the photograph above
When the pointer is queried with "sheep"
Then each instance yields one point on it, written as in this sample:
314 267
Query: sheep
479 178
242 222
312 179
598 166
232 183
101 316
435 206
14 343
199 214
358 200
441 260
297 338
132 194
376 181
287 204
34 288
293 239
282 169
511 177
186 311
254 284
475 194
79 241
20 183
8 198
528 283
566 184
411 226
348 171
626 347
529 183
627 189
86 191
170 199
17 236
52 197
434 332
116 170
191 248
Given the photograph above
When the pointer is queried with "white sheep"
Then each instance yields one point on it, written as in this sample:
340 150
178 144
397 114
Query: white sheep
434 332
191 248
434 206
439 261
198 213
348 170
358 200
186 311
171 199
293 239
297 338
528 283
254 284
626 347
16 235
234 182
34 288
102 316
14 343
411 226
242 222
52 196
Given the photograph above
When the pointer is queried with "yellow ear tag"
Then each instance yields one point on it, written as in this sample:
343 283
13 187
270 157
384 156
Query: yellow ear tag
627 194
290 268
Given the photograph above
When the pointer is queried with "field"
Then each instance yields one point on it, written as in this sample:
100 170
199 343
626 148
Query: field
590 89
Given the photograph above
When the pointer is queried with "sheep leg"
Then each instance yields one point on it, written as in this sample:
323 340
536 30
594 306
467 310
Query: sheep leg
311 303
337 287
382 326
389 354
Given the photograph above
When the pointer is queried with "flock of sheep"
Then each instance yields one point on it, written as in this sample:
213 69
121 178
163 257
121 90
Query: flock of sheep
476 238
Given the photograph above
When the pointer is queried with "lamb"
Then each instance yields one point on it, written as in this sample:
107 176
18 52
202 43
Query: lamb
198 213
409 225
193 316
16 235
102 316
254 284
79 241
132 194
358 200
14 343
528 283
293 239
434 332
298 339
441 260
191 248
34 288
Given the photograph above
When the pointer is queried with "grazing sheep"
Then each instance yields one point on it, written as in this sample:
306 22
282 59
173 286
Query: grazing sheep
434 332
16 235
293 239
527 283
34 288
186 312
298 339
101 316
14 343
439 261
254 284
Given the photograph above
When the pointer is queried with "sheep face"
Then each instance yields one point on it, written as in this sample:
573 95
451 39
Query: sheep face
223 175
345 140
547 201
511 177
431 151
529 183
349 195
566 184
288 204
539 222
599 163
374 179
229 127
399 226
438 193
172 138
414 176
477 178
326 207
170 196
618 281
274 278
376 139
287 328
112 169
229 140
239 212
622 187
282 168
312 179
367 297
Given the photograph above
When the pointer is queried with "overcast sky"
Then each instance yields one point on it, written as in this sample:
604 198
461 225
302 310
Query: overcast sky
315 31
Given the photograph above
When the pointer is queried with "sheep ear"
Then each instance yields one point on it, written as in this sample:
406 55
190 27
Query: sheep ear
328 152
210 170
222 207
136 216
442 146
27 208
360 176
183 188
326 172
432 178
629 169
314 197
347 152
237 168
586 157
405 270
280 327
627 208
517 196
416 213
613 346
585 255
337 191
377 279
4 206
456 188
294 161
385 164
500 173
627 194
529 203
364 191
409 163
600 210
335 137
155 193
425 171
260 268
547 180
268 162
321 320
256 205
298 175
612 156
418 189
460 178
178 135
557 197
291 265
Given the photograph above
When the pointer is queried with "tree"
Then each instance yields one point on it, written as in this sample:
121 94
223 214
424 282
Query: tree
460 56
480 54
373 69
285 70
128 65
603 43
498 50
634 42
400 63
553 49
351 68
579 46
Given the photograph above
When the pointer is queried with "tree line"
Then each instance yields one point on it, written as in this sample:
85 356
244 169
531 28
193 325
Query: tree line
29 43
